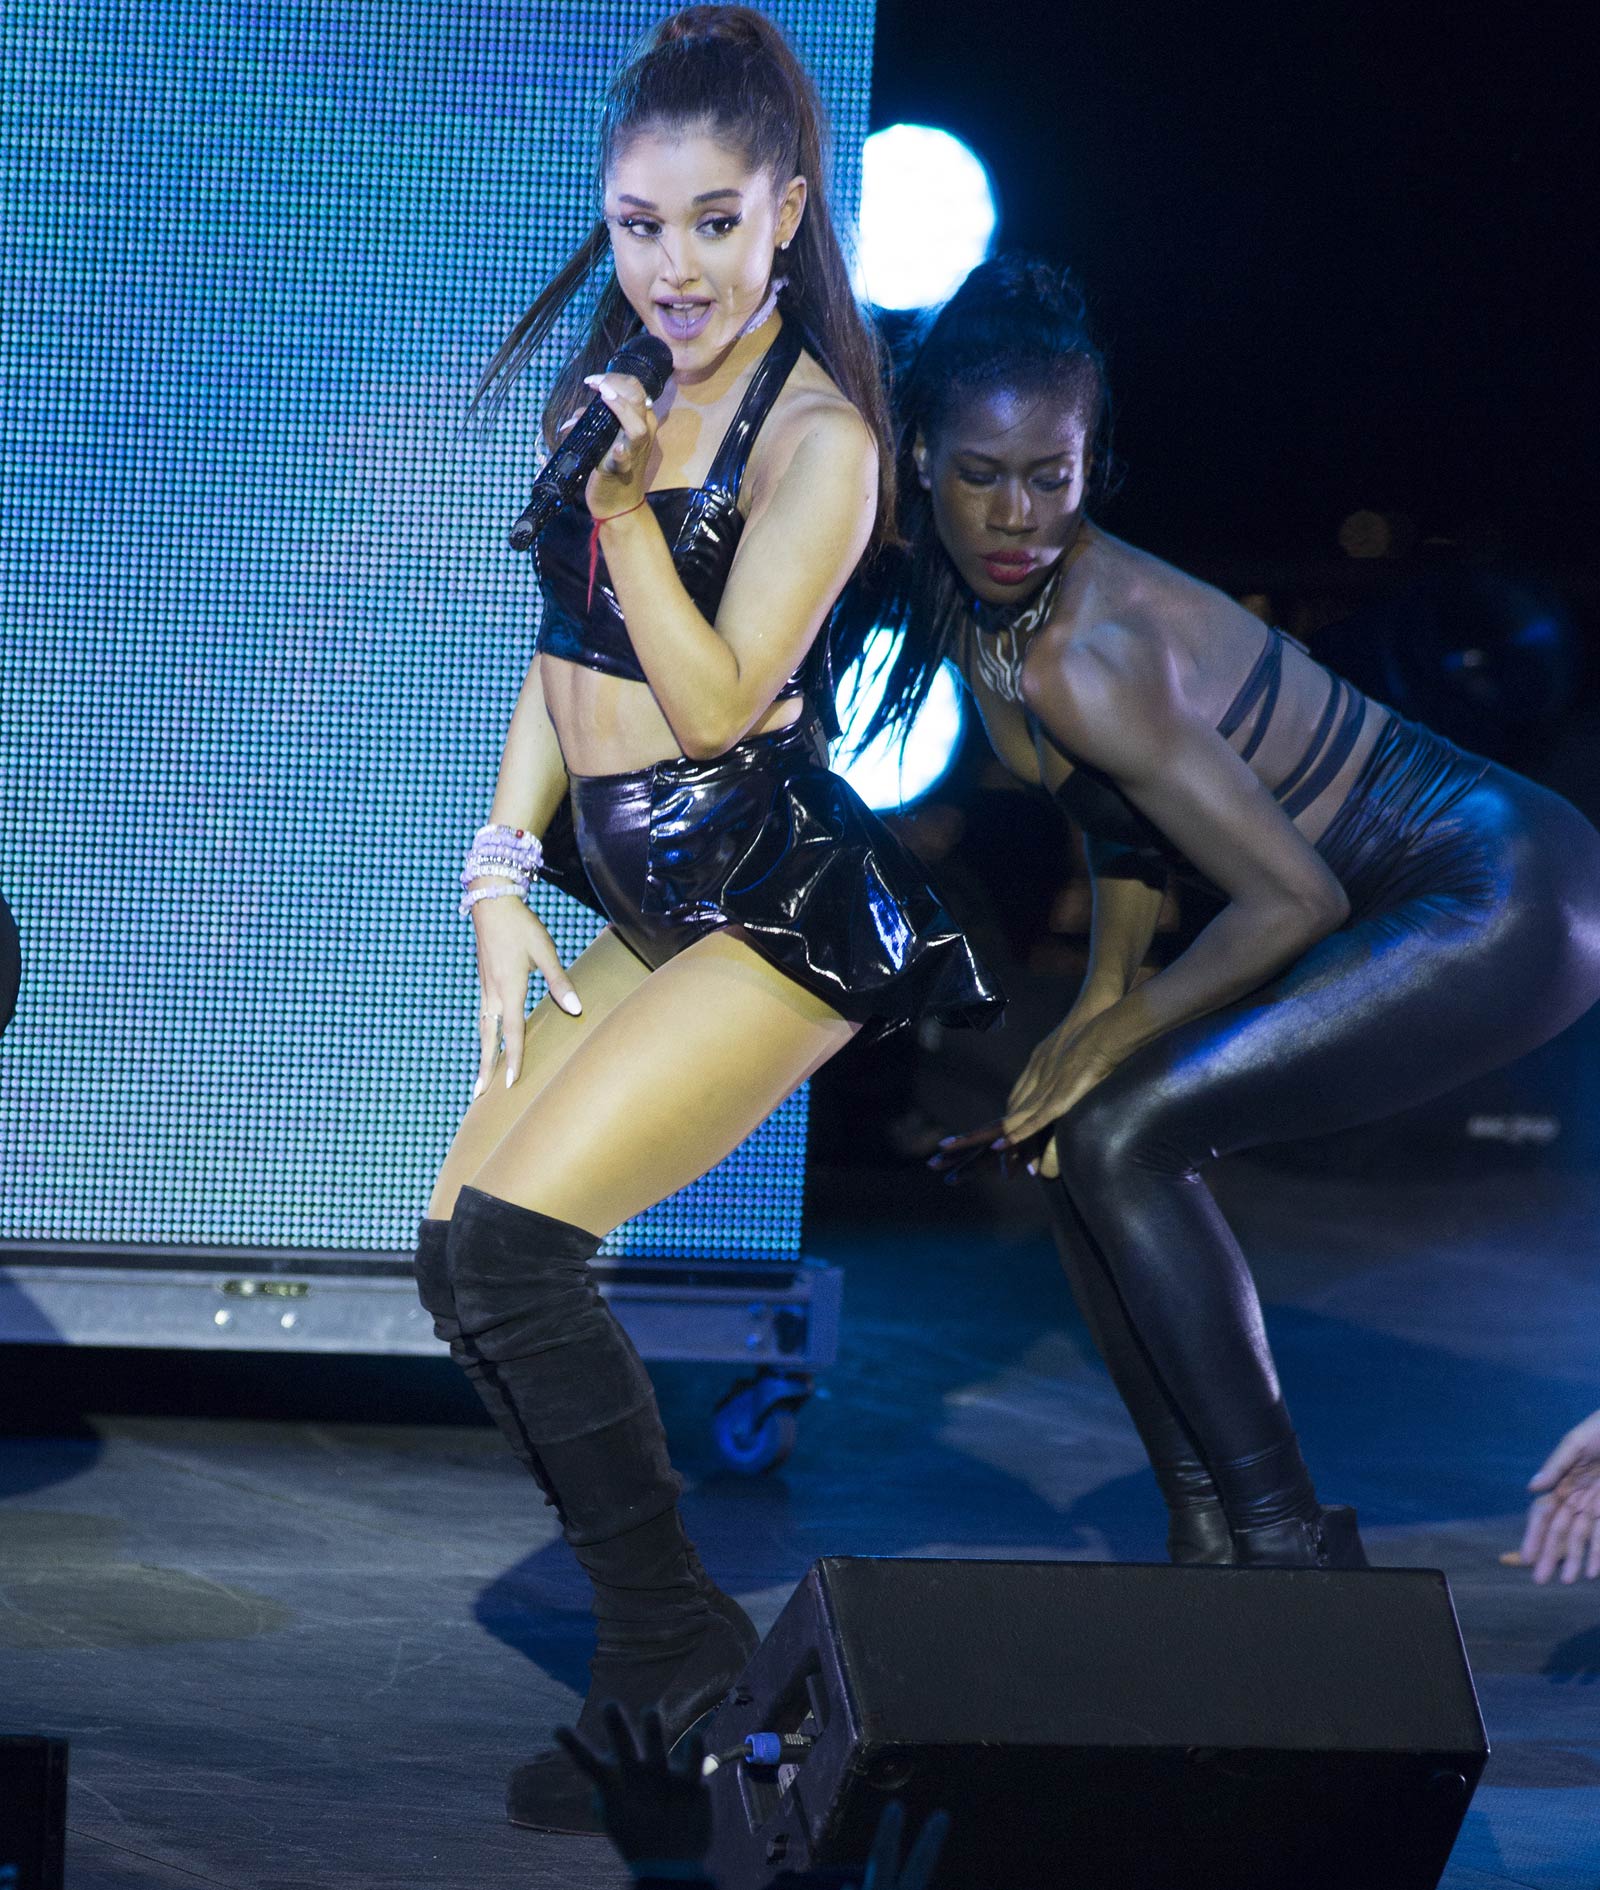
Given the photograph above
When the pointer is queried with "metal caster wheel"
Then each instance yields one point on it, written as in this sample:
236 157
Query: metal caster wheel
755 1426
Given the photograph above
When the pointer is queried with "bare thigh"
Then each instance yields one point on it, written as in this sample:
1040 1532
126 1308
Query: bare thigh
604 974
673 1078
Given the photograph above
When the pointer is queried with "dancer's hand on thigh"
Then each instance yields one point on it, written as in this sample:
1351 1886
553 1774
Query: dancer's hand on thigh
1064 1067
1056 1075
604 974
512 944
960 1157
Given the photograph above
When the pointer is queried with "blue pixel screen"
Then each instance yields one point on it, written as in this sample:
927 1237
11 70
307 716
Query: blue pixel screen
262 632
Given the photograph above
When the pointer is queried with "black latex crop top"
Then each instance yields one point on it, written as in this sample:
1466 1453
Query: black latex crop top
701 524
1117 831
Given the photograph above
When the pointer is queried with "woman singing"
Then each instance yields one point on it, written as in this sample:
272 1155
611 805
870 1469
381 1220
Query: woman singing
1392 917
667 750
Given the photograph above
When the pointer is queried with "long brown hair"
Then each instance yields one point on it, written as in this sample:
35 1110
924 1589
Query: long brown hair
730 69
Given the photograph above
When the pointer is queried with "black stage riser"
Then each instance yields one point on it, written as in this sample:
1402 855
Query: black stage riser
1145 1727
33 1812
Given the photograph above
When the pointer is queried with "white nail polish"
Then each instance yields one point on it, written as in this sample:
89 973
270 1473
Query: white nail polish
477 1089
572 1004
510 1073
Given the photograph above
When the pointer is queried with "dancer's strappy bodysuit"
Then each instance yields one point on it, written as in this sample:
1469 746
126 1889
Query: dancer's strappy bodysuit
1111 820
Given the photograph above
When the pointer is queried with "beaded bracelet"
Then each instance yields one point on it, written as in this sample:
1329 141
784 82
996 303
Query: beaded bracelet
495 869
514 843
510 856
502 889
510 850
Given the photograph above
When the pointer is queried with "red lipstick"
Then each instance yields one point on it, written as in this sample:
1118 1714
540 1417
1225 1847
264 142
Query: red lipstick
1009 567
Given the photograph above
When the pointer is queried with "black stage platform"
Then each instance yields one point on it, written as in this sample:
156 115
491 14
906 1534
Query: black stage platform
298 1645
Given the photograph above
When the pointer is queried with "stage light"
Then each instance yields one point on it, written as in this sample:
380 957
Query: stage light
886 774
927 216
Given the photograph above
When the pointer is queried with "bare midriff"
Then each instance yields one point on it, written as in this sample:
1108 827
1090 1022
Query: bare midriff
612 725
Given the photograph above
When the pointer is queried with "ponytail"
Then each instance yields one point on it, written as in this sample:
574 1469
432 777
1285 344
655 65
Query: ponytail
730 69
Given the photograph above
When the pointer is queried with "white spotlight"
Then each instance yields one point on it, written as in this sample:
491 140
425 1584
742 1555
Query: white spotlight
886 776
927 216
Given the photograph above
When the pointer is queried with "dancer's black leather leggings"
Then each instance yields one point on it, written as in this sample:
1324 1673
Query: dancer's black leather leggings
1474 936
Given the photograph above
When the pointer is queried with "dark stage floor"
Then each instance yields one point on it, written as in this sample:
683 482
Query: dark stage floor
300 1650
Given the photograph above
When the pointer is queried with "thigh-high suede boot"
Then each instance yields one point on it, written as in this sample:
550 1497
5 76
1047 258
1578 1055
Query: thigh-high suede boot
1197 1525
432 1269
562 1379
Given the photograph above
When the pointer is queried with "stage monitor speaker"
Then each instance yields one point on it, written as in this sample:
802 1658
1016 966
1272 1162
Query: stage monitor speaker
33 1812
1108 1726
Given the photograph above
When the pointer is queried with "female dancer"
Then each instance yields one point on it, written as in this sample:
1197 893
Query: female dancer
759 915
1394 917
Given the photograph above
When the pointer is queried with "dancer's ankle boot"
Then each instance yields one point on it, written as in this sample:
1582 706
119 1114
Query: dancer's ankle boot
1274 1514
1329 1539
1197 1524
1198 1535
563 1379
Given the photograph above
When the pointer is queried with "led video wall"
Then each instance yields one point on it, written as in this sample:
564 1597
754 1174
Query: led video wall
261 628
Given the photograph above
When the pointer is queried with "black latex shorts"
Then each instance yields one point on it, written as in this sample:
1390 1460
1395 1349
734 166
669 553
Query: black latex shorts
767 838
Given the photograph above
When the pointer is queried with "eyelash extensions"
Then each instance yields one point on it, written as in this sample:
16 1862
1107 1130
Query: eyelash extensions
636 226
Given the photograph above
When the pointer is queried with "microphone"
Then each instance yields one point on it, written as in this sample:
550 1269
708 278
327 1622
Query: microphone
649 360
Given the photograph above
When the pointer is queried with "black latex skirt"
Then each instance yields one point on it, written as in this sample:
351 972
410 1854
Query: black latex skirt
767 838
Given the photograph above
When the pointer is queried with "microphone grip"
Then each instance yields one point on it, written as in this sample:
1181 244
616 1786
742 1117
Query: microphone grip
569 466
